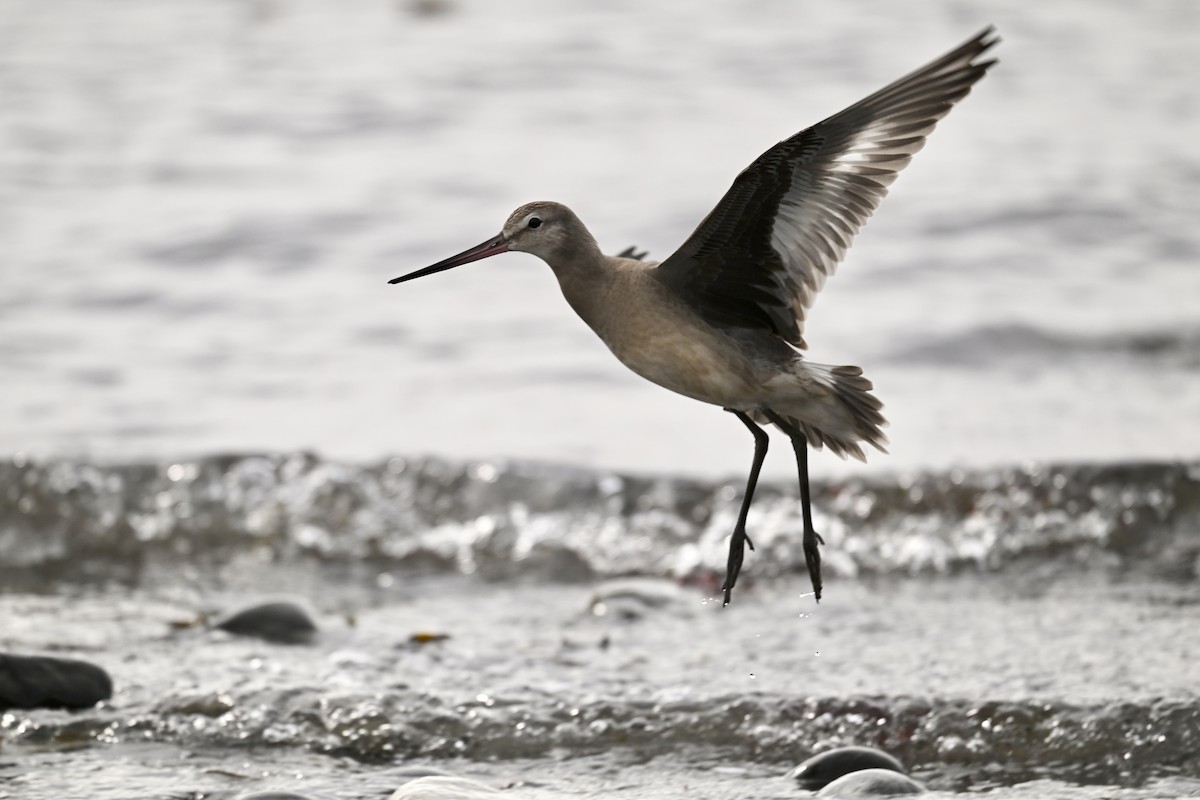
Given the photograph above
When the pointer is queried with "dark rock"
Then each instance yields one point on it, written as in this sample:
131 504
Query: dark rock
868 783
281 621
268 795
826 767
43 682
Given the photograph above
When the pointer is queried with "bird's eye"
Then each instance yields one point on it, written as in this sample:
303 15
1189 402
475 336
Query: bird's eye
534 222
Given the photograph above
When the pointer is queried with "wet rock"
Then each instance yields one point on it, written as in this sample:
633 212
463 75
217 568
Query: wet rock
43 682
868 783
442 787
630 599
280 621
826 767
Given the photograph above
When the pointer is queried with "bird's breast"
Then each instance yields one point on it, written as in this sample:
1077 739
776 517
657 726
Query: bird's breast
657 336
678 352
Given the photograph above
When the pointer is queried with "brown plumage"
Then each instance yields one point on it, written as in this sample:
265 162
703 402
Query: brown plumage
721 319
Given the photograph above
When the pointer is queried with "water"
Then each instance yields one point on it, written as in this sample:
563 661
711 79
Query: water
990 628
200 204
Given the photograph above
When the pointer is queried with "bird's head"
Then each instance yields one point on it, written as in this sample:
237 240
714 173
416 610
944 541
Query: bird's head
544 229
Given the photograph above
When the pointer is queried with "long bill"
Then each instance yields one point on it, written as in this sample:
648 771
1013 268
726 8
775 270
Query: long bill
491 247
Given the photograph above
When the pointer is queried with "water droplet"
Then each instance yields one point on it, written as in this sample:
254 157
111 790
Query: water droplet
487 473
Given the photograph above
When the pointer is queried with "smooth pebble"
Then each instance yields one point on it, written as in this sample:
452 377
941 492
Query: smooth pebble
868 783
830 765
281 621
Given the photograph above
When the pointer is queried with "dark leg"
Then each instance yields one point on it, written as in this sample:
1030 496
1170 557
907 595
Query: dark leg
739 538
812 539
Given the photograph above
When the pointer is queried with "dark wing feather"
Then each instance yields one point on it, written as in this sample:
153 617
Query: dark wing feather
760 257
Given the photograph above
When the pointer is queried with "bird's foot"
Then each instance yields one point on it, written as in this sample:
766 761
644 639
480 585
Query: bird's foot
812 559
733 567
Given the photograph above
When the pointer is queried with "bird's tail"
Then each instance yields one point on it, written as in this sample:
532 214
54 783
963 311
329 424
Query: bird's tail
861 419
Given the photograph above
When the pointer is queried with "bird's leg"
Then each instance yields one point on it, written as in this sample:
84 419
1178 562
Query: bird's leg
739 539
812 539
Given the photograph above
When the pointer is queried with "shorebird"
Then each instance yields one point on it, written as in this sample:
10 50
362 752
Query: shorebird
721 320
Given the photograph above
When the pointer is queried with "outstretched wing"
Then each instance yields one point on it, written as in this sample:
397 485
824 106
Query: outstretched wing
760 257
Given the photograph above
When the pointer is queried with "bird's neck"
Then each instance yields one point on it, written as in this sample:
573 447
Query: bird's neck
586 277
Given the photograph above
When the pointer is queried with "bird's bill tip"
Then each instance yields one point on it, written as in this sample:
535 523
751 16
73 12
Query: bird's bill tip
493 246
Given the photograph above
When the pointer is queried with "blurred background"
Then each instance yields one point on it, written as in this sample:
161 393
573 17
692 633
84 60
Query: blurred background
201 203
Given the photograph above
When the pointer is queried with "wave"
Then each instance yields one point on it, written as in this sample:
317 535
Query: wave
77 521
953 744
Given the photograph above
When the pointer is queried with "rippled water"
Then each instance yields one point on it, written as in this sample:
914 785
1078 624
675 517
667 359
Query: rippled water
560 627
200 204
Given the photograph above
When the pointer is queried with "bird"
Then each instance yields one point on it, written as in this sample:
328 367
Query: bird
721 320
